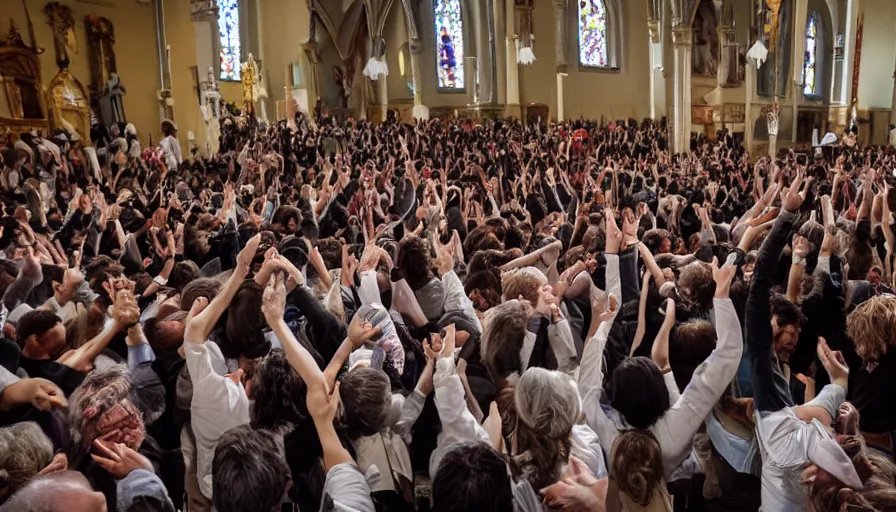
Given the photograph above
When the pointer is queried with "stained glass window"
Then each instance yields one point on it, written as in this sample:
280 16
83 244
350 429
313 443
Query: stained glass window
229 30
593 33
449 26
809 65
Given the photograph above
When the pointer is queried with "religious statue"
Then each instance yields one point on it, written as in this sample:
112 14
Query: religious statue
100 41
250 83
63 22
706 40
111 104
342 75
210 106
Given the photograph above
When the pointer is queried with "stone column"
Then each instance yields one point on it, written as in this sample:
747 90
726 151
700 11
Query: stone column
560 102
682 46
850 25
204 14
560 34
657 75
750 86
893 102
800 18
513 80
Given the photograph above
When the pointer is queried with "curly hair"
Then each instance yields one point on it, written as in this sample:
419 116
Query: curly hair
636 463
415 259
870 326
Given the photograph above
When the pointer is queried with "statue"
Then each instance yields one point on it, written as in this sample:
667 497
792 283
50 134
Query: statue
210 106
706 40
342 75
250 84
111 104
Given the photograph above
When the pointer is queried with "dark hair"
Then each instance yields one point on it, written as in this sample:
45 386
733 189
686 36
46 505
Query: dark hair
202 287
787 312
414 259
279 393
472 477
248 471
35 322
365 396
691 344
639 392
183 273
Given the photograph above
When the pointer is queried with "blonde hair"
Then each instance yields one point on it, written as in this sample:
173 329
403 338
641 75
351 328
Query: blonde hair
523 282
870 327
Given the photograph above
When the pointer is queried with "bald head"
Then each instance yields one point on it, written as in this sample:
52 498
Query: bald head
57 492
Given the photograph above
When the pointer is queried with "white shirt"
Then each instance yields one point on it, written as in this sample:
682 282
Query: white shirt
676 428
218 405
784 442
173 154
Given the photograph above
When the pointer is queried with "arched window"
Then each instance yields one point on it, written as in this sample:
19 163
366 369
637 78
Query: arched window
229 31
593 34
810 64
449 25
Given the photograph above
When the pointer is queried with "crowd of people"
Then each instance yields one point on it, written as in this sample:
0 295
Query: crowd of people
448 316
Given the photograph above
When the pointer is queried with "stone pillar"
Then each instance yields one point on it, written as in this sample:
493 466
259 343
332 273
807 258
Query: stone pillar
204 14
560 102
801 16
682 46
850 25
421 111
657 74
512 108
893 102
750 86
560 34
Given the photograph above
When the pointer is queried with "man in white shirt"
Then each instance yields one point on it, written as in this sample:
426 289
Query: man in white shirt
173 155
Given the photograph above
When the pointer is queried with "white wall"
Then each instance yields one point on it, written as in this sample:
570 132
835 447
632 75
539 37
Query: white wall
878 54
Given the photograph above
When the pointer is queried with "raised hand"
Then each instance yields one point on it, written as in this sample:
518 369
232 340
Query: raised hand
273 300
117 459
800 247
722 276
613 234
245 257
833 362
791 200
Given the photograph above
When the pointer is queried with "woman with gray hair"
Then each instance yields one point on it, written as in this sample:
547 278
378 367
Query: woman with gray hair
549 431
24 452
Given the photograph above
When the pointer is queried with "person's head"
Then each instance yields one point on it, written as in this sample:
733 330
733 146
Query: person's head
41 335
524 282
639 392
871 326
184 273
696 287
101 407
787 322
249 471
636 463
691 344
245 323
876 473
547 406
472 476
62 491
24 451
279 393
365 395
202 287
166 335
169 128
505 329
415 259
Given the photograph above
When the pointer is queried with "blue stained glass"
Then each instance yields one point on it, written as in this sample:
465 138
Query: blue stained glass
809 65
593 33
229 31
449 26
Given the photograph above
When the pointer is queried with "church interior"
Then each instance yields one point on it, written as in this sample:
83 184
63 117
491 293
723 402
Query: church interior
704 65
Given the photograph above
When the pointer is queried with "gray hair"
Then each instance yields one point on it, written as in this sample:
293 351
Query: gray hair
24 451
548 402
